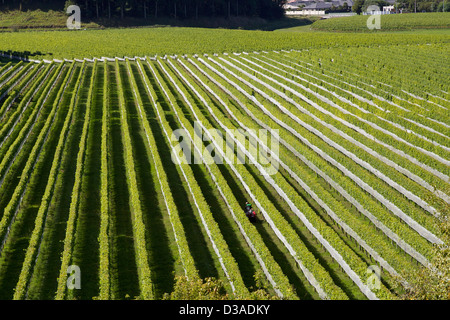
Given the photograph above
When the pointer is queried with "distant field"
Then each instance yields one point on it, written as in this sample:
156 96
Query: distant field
161 41
388 22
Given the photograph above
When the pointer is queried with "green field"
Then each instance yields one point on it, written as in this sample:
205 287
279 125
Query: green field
160 41
89 176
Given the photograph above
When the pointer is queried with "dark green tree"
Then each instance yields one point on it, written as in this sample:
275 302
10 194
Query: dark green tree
180 9
357 6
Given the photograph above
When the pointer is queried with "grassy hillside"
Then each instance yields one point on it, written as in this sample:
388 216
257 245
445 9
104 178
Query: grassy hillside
16 20
36 19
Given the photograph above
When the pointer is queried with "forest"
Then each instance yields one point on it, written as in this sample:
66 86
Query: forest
179 9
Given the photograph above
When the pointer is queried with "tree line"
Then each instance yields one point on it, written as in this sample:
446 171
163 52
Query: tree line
360 6
179 9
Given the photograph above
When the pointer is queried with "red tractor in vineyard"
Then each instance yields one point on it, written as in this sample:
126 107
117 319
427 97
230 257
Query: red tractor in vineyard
249 212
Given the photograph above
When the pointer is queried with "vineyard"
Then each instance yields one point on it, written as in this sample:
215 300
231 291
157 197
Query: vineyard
358 23
89 176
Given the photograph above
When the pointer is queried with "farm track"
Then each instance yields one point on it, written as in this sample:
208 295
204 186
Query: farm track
362 174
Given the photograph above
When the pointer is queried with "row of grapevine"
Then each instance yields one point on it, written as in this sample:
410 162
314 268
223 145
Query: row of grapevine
361 172
12 207
11 73
66 255
227 261
311 187
341 134
430 154
18 86
418 58
36 235
24 85
393 101
40 149
316 275
364 95
5 68
298 117
144 272
312 133
10 83
313 167
103 238
254 240
9 117
180 236
305 215
378 167
418 175
20 133
391 78
351 108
